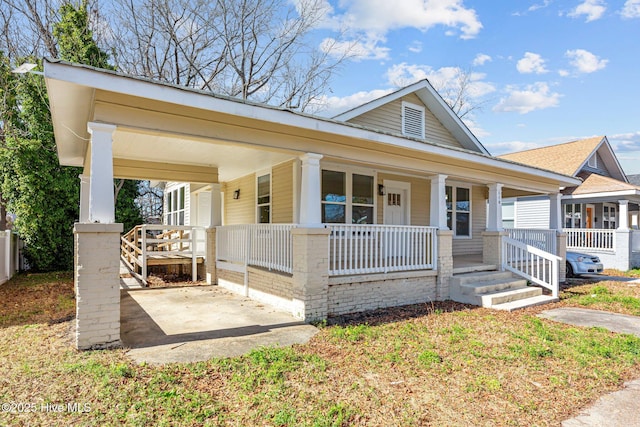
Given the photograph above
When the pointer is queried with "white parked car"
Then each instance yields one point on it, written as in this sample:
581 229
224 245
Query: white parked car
578 263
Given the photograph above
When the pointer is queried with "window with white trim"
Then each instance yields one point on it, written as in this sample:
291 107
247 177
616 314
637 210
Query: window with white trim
263 198
459 210
508 214
347 198
573 216
609 216
412 120
175 207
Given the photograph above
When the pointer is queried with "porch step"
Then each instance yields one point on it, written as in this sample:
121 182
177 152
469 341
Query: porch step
524 303
496 289
474 268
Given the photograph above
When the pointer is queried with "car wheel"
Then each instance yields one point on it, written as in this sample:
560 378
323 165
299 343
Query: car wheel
570 270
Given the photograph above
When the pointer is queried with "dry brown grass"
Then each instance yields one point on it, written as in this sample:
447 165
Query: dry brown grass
434 364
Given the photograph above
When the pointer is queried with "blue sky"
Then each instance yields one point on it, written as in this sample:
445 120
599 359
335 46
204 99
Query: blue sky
544 71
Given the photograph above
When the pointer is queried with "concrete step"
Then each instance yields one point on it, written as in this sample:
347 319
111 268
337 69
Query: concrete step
492 286
481 276
524 303
502 297
474 268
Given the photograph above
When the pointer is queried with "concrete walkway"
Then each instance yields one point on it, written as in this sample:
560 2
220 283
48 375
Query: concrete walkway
190 324
621 408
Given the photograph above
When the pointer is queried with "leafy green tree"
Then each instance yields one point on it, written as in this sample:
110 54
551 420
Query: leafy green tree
44 195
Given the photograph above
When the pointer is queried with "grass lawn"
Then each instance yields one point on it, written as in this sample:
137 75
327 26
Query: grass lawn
434 364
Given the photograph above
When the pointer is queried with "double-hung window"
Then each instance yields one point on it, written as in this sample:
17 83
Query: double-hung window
263 199
459 210
573 216
175 207
609 216
347 198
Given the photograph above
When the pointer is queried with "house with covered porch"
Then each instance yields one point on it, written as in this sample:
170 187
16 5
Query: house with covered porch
391 203
600 216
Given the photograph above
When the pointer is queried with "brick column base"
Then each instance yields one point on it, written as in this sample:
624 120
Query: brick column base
492 247
212 277
97 285
310 273
445 264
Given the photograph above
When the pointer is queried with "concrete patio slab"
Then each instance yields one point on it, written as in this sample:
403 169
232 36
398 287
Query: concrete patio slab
190 324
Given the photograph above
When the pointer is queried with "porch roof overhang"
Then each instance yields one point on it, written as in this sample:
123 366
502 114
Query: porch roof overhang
167 125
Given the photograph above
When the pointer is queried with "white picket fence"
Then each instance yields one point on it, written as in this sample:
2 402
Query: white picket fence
536 265
9 255
263 245
362 249
590 239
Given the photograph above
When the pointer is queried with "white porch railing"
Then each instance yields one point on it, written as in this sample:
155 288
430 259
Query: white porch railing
591 239
144 242
533 264
538 238
263 245
362 249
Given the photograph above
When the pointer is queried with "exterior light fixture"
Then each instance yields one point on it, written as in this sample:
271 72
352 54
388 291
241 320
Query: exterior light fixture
236 195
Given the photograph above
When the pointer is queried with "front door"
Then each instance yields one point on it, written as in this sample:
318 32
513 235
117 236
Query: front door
396 203
589 217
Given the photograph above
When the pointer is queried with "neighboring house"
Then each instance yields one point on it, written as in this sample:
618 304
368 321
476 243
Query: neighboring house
598 215
386 204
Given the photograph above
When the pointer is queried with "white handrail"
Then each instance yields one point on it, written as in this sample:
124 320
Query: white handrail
532 263
363 249
539 238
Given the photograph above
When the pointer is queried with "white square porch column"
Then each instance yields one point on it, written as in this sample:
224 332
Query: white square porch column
438 202
310 191
101 192
84 198
495 208
623 209
216 220
216 205
555 212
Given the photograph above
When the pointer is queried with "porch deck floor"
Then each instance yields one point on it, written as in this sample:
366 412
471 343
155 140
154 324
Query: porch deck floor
470 263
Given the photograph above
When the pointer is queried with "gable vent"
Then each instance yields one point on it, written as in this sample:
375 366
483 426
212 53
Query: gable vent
412 120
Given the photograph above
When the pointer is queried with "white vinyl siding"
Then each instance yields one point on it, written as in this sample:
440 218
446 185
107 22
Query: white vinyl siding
532 212
412 120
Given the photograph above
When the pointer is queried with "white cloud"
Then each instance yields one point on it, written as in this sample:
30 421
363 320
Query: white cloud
531 63
332 105
537 6
585 61
481 59
415 47
625 142
631 9
537 96
445 79
510 147
563 73
355 49
380 16
593 9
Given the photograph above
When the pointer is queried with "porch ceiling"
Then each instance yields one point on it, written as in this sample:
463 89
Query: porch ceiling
230 161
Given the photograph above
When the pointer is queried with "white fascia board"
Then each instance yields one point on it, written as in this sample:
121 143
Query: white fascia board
113 82
622 193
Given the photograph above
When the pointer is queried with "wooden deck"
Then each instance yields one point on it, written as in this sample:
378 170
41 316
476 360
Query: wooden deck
162 245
